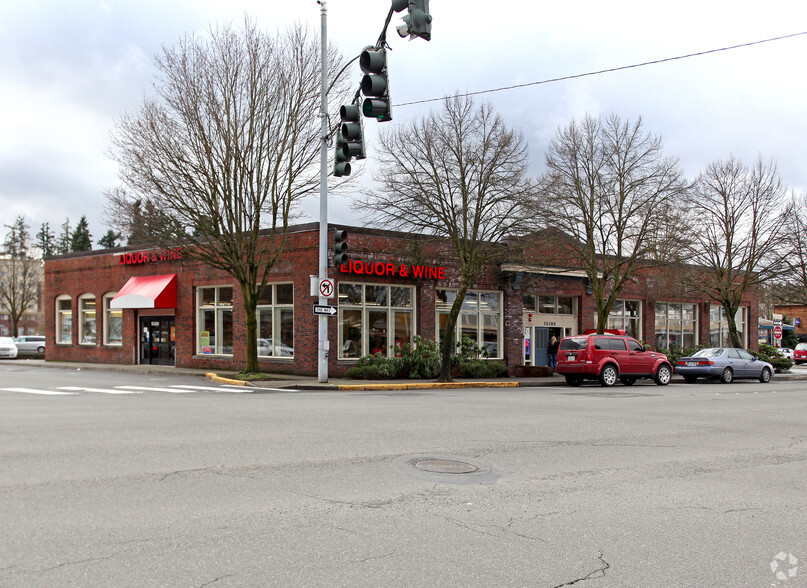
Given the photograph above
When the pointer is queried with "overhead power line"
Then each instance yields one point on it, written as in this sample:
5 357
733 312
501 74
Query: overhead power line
611 69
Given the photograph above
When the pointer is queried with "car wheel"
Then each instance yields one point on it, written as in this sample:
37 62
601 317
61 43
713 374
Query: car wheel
627 380
574 380
728 376
663 375
765 376
690 379
40 350
609 375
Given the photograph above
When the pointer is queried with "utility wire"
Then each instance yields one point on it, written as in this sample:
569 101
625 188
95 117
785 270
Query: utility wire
612 69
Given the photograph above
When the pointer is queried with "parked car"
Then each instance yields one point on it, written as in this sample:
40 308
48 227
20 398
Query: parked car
30 344
800 354
265 348
610 357
786 352
8 348
726 363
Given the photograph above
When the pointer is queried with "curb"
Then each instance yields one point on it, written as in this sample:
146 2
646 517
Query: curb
422 386
219 380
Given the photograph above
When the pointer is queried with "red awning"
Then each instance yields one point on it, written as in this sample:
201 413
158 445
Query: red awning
147 292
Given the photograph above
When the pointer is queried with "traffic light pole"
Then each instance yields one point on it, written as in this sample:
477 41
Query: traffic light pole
322 345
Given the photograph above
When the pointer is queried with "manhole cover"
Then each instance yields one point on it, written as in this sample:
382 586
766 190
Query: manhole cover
445 466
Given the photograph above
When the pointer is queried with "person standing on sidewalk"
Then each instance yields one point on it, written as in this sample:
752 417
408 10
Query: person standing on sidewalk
552 352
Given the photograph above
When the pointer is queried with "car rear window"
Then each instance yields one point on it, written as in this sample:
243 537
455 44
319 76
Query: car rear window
573 343
802 346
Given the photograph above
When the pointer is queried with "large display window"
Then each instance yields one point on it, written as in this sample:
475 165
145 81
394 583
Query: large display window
374 319
676 325
719 326
64 320
480 318
214 320
626 315
276 321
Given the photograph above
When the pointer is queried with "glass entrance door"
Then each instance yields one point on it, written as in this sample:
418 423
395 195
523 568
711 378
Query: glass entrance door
157 340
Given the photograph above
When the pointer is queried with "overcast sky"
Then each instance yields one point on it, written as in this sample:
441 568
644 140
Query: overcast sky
67 69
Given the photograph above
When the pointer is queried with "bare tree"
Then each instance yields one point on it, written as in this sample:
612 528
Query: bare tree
791 285
737 228
20 273
227 147
609 186
459 174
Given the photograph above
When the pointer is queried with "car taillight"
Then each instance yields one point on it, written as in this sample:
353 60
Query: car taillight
679 362
706 362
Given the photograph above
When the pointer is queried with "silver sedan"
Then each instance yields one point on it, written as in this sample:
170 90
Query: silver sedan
726 363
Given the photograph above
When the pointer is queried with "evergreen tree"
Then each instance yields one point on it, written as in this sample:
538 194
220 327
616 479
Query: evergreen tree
46 240
109 240
63 245
81 240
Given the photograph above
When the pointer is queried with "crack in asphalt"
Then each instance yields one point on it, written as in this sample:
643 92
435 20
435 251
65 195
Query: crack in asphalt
591 575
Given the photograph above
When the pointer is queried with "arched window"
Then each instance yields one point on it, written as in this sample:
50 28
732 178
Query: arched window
113 322
64 320
86 319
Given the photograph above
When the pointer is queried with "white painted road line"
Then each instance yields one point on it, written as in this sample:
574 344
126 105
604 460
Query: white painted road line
32 391
216 388
99 390
153 389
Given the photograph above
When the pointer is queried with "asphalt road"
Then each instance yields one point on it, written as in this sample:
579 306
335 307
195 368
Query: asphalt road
180 482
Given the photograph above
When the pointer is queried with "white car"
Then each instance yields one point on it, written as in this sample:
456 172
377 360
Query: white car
786 352
8 348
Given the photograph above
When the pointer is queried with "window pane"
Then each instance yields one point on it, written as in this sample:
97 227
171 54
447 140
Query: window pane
285 293
617 309
661 314
62 305
377 331
351 333
490 334
207 296
207 334
546 304
375 295
528 301
470 301
445 299
488 301
265 297
265 332
400 297
115 326
226 326
66 327
469 326
564 305
632 308
350 294
403 329
225 296
285 346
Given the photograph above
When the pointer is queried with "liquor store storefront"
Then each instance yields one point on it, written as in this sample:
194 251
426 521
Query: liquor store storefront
151 306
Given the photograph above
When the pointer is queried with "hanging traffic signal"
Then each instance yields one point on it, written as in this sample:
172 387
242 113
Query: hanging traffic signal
375 84
349 140
418 23
339 247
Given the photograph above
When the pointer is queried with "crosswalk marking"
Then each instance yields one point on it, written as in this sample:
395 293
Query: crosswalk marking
153 389
99 390
32 391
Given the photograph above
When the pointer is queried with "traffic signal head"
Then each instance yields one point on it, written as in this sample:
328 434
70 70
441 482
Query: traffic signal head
349 140
339 247
375 84
418 23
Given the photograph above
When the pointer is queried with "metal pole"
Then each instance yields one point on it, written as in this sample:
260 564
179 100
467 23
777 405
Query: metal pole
322 346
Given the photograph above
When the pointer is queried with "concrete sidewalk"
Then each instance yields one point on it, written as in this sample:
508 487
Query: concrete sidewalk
292 382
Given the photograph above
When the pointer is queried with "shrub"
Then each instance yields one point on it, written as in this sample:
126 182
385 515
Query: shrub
421 359
375 367
770 354
479 368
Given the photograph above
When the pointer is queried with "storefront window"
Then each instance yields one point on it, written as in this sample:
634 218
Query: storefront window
374 319
64 321
719 326
86 318
479 319
676 325
113 322
627 315
276 321
215 320
548 304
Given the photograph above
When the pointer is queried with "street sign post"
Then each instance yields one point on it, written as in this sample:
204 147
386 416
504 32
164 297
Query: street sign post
325 310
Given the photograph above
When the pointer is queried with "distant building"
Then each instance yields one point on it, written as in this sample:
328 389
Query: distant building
797 315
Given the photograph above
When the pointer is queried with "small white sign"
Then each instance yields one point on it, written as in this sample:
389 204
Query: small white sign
327 287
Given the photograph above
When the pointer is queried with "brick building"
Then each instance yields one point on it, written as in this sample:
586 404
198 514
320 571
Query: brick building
132 306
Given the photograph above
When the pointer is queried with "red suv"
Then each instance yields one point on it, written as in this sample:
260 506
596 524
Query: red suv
609 357
800 354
